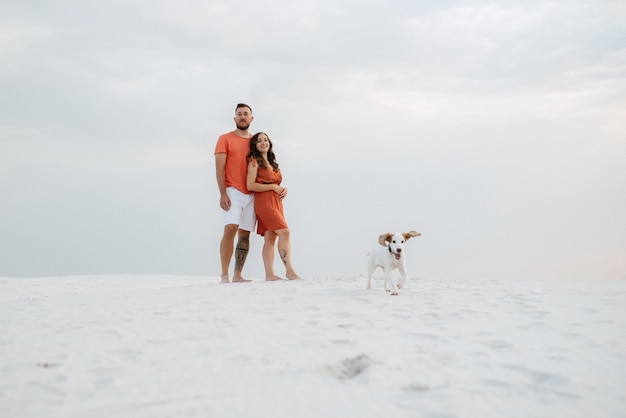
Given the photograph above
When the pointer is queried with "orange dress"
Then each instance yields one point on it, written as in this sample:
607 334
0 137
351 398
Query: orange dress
267 205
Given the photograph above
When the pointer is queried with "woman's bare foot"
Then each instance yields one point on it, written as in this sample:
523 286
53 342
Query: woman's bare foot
293 276
240 279
225 279
272 278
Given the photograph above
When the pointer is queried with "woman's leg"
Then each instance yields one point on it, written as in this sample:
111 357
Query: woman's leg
284 251
268 255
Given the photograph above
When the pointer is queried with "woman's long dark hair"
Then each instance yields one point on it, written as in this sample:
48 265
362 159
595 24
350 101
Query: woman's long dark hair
254 153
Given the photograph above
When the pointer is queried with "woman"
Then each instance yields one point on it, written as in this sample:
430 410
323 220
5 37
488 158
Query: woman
264 178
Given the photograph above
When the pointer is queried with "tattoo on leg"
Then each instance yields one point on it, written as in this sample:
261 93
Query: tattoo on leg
283 256
241 252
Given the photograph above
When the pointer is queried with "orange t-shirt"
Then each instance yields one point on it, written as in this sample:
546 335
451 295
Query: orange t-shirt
236 149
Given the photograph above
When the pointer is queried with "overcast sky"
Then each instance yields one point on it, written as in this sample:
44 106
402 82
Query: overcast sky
495 128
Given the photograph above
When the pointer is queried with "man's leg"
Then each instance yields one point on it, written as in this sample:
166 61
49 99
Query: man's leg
226 249
241 253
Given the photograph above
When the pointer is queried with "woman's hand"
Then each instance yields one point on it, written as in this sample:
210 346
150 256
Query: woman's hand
280 191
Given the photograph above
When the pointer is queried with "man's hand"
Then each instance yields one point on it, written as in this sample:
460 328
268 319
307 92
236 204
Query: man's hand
225 202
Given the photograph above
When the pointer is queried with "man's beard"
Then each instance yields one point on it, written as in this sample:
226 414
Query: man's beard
243 125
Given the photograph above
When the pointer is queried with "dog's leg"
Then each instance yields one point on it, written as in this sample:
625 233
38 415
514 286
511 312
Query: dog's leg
370 271
384 279
389 282
402 280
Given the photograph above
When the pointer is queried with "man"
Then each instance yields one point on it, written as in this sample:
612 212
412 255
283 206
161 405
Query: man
237 202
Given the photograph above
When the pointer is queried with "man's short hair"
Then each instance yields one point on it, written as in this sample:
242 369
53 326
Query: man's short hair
243 105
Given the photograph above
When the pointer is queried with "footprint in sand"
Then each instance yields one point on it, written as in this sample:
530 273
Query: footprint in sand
46 365
349 368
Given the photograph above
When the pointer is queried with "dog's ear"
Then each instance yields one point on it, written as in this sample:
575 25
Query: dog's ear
411 234
383 238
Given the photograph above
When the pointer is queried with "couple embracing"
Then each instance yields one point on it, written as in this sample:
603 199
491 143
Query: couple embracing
249 179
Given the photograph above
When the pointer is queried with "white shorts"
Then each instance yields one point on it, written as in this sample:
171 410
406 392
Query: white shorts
241 209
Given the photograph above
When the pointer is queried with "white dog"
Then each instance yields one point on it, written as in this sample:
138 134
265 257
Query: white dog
389 258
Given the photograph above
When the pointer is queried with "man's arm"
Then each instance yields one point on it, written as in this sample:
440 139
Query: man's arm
220 174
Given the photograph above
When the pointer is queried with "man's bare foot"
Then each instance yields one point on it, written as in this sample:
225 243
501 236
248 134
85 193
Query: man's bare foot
240 280
225 279
272 278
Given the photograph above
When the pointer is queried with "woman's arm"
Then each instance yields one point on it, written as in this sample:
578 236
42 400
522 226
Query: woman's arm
253 186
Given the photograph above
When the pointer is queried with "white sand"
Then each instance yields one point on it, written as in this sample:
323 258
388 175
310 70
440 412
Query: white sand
163 346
